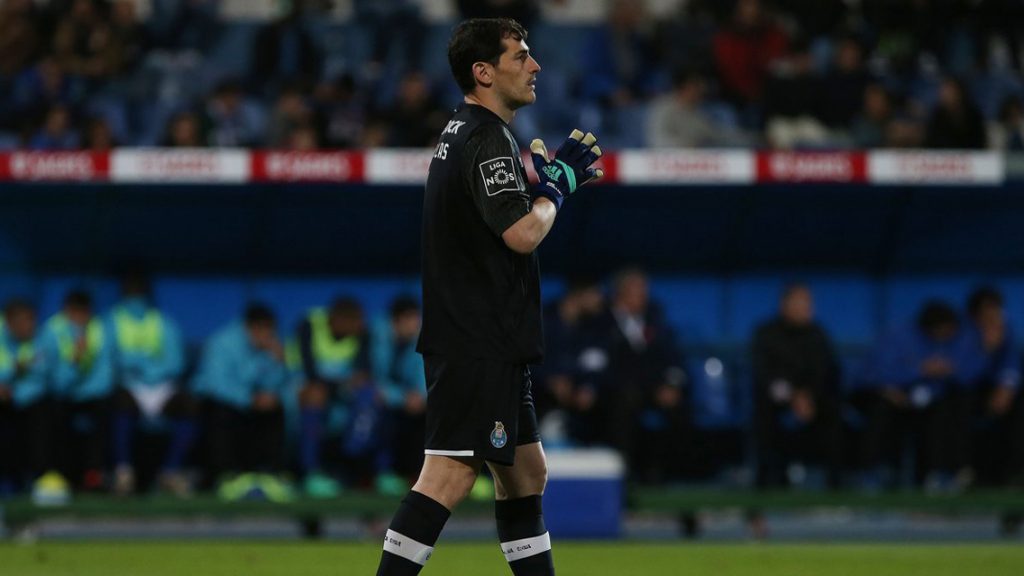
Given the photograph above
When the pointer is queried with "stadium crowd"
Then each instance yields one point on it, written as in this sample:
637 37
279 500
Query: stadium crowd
834 74
118 402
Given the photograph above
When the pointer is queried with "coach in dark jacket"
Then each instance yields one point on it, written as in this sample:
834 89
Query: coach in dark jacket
642 397
796 392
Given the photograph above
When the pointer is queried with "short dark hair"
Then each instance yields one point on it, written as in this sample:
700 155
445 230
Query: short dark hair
936 314
78 299
981 297
403 305
479 40
15 305
345 306
792 288
258 313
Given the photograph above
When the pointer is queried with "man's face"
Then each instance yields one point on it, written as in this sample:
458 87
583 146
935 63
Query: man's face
345 324
991 322
515 74
942 333
22 324
261 334
407 325
798 307
78 315
633 294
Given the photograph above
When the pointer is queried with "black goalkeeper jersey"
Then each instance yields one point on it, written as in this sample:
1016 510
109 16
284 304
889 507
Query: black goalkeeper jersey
480 298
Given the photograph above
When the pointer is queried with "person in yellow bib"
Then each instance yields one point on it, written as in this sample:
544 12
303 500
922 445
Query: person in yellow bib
333 348
77 357
149 364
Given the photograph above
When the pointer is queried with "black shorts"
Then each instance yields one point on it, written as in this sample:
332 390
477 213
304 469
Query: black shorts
478 408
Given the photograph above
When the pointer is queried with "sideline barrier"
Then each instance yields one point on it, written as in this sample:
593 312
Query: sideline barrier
405 166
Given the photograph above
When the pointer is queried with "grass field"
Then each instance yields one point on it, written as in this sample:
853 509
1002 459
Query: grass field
573 559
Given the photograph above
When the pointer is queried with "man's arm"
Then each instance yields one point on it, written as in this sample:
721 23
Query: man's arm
521 216
529 231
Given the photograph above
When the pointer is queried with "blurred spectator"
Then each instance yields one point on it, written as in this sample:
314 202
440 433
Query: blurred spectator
686 38
129 35
303 138
190 26
183 131
83 42
20 39
290 112
150 362
844 85
26 407
397 371
230 120
391 23
97 136
575 361
793 101
416 118
1000 21
241 378
284 51
905 130
340 112
333 345
868 129
77 357
525 12
797 395
57 132
679 119
956 121
620 63
39 88
1008 132
821 17
913 387
998 408
642 404
745 49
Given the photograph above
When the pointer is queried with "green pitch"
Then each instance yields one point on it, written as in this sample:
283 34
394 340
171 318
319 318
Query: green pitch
452 559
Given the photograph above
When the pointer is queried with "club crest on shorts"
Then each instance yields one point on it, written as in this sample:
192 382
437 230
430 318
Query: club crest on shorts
498 436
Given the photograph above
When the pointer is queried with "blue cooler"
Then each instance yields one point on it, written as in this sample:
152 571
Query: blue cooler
583 498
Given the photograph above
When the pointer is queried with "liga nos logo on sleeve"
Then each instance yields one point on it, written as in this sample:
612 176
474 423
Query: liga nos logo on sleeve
499 175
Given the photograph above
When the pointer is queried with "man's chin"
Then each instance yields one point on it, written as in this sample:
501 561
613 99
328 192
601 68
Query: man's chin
526 100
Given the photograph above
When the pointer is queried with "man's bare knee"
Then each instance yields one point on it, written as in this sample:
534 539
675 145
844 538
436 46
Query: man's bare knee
447 480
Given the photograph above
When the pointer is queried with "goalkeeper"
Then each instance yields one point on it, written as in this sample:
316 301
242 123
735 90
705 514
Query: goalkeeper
482 223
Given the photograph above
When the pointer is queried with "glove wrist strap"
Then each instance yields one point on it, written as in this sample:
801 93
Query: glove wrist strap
542 190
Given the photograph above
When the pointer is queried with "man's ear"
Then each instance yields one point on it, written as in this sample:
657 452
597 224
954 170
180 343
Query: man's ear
484 73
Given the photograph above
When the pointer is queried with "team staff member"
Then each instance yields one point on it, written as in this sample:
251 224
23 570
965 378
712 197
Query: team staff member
333 347
26 412
149 364
77 358
481 303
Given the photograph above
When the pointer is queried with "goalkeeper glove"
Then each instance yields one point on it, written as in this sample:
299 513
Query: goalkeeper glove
570 168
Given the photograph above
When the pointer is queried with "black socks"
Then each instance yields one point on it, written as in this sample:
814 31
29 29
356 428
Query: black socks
411 537
524 539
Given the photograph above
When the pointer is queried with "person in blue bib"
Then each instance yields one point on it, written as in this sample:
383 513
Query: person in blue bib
336 395
77 356
241 378
25 410
398 376
150 361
